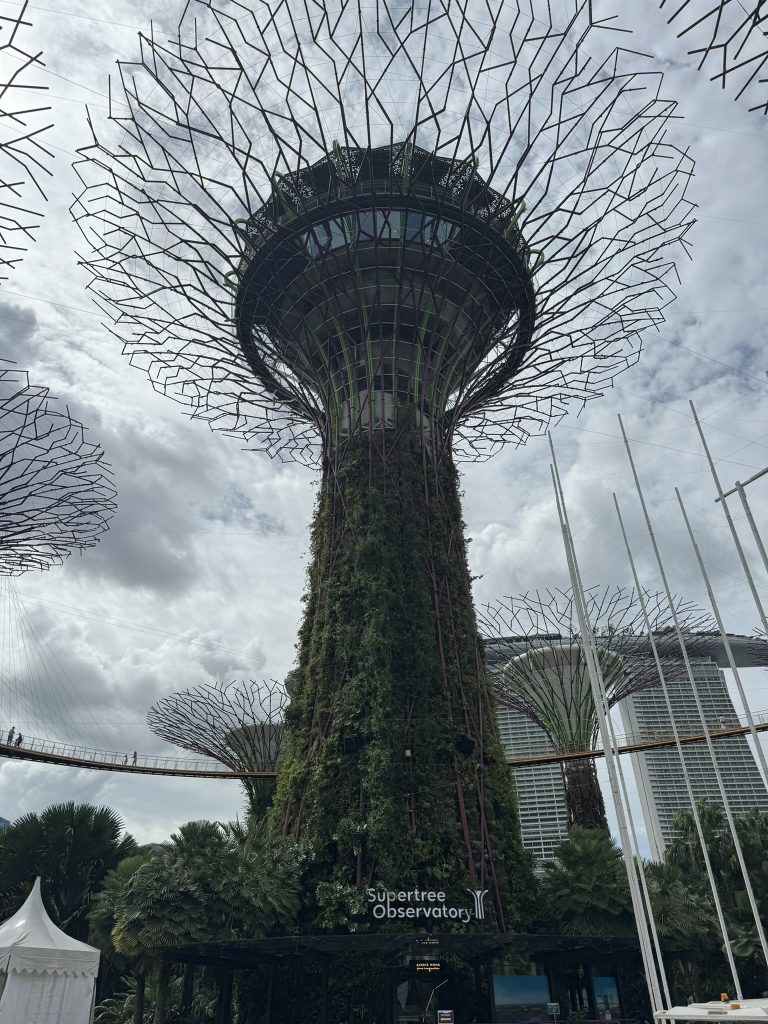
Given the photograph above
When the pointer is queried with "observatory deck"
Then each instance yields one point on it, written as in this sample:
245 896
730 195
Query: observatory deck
387 275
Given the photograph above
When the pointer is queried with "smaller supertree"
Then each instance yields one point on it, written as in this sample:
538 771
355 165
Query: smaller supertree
24 157
534 648
239 724
730 37
56 494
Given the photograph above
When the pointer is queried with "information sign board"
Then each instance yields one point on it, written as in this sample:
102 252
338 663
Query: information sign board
428 967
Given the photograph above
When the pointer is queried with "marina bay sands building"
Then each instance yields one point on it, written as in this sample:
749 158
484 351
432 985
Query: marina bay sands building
540 788
659 773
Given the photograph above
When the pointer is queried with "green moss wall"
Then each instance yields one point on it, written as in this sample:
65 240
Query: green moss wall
389 663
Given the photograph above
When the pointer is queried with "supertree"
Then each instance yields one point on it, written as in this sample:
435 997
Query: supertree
730 39
239 723
374 237
534 648
24 155
56 492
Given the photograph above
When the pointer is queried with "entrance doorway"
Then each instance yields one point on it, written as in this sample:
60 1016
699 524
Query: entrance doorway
417 996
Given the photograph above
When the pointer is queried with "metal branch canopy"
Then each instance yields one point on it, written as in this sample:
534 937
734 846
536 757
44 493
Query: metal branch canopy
261 223
729 38
534 644
239 724
535 651
56 492
25 158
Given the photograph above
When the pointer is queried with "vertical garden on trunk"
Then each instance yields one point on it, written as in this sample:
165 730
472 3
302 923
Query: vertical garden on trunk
392 774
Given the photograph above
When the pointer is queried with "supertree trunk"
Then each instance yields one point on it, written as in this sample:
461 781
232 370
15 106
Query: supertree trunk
583 797
392 771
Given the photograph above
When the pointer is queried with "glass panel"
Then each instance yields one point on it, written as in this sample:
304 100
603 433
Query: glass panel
606 998
428 230
337 234
387 224
389 221
323 236
366 224
310 244
445 230
413 226
382 224
520 996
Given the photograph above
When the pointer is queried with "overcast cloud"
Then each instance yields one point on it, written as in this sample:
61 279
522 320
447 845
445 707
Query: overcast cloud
201 575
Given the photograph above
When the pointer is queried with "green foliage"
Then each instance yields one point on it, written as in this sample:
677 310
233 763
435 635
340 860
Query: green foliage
209 882
340 907
120 1008
682 908
685 851
101 914
585 889
71 847
389 677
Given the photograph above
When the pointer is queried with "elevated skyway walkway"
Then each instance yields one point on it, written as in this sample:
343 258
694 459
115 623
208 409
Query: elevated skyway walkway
68 755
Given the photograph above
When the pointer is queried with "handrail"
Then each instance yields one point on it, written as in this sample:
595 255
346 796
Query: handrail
629 743
66 754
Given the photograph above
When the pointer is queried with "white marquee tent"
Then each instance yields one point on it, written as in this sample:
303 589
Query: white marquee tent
46 977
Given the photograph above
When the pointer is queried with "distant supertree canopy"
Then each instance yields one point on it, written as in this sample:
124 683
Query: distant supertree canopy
25 158
729 39
239 723
56 491
269 149
534 648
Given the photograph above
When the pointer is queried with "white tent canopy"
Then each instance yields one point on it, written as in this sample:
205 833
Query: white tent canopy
46 977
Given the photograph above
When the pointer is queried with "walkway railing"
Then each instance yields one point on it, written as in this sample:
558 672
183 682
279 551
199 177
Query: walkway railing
630 743
34 748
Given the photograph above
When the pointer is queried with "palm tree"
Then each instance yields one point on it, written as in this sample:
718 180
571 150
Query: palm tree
101 917
682 907
684 855
71 847
752 828
118 1009
585 889
685 849
210 881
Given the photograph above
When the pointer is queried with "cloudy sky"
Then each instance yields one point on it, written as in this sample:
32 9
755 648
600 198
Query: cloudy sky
201 575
